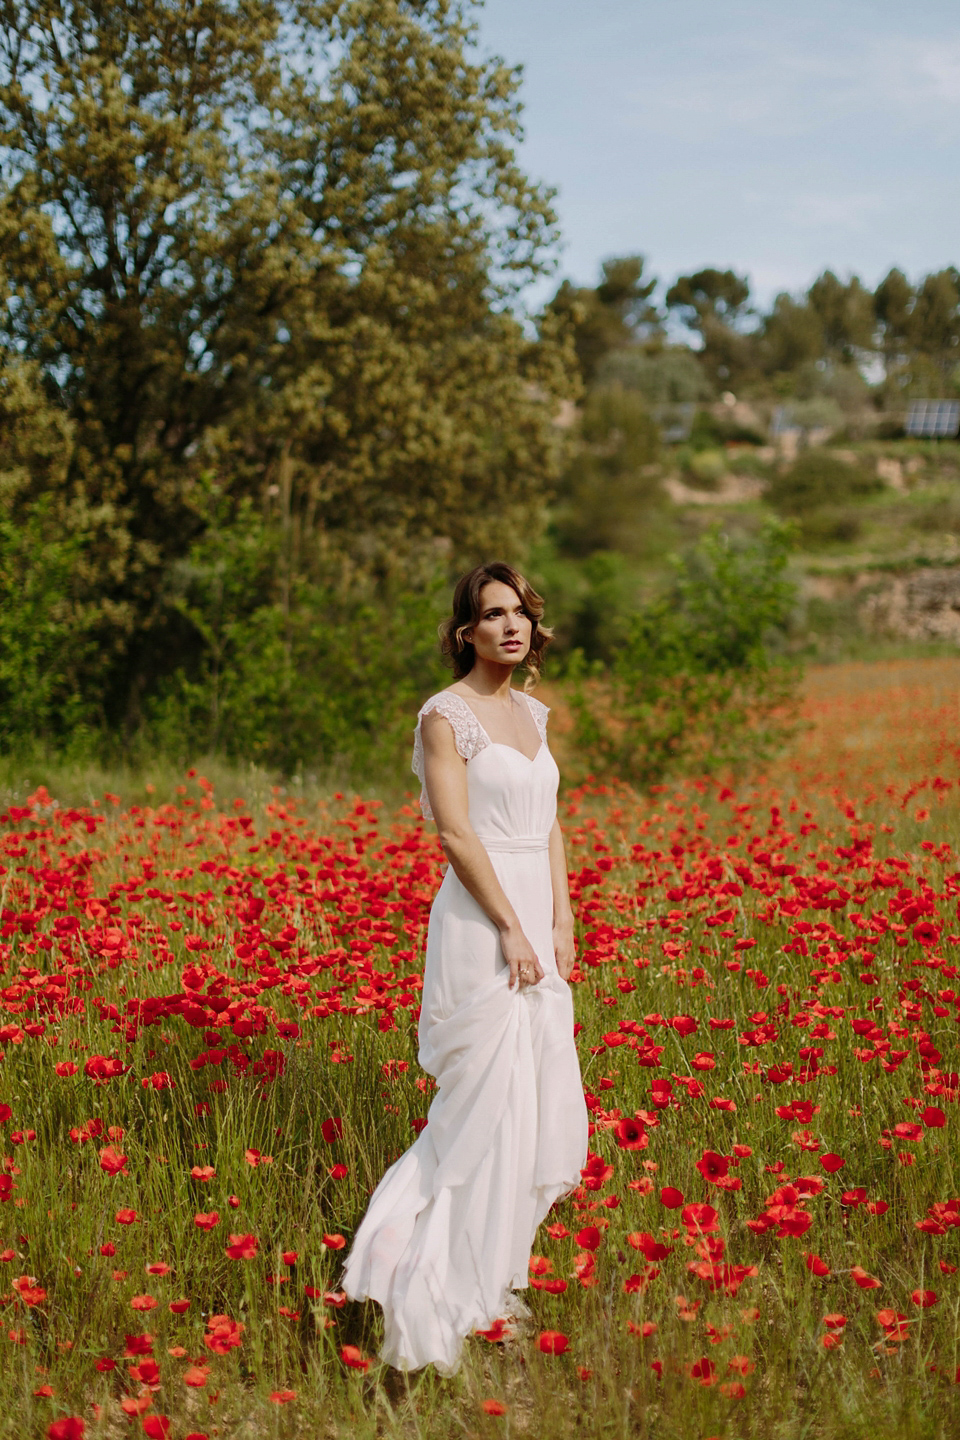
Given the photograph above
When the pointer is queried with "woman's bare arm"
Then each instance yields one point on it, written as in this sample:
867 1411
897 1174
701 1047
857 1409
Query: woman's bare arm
445 776
562 909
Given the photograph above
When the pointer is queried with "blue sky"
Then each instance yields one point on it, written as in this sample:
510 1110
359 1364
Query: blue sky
777 138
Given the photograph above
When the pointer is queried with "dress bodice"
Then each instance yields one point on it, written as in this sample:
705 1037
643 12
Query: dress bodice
510 797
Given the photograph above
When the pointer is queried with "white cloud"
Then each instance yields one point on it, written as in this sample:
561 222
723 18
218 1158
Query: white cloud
836 211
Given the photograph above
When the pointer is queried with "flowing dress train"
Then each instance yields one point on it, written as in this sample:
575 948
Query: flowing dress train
447 1235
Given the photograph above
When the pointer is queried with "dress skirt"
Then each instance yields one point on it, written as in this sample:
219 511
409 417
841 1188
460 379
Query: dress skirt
448 1233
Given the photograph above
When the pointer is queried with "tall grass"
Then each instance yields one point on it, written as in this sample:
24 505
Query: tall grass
133 929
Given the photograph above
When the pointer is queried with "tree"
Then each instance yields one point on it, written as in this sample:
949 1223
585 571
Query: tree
714 303
846 314
893 302
617 314
934 321
611 484
273 248
792 335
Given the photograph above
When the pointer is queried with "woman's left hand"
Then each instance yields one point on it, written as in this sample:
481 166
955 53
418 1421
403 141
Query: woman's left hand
563 948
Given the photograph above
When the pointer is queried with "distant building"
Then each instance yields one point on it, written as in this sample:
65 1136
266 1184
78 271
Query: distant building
933 419
675 421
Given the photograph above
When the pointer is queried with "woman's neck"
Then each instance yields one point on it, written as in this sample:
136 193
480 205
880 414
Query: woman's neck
490 681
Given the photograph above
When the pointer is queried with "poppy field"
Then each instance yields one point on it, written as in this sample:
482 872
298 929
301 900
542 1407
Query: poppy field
208 1033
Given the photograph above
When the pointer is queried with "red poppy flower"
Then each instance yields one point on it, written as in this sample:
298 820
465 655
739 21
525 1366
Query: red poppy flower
112 1161
71 1427
137 1345
332 1129
242 1247
156 1427
831 1163
353 1358
924 1298
493 1407
630 1134
815 1265
648 1246
206 1220
671 1198
713 1167
588 1238
223 1334
861 1278
552 1342
282 1397
699 1219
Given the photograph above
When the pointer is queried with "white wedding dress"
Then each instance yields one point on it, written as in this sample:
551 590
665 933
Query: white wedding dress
447 1235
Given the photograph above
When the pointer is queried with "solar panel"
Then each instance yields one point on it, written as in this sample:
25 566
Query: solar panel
933 419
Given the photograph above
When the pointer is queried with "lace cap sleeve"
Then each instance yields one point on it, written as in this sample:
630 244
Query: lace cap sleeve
540 713
468 736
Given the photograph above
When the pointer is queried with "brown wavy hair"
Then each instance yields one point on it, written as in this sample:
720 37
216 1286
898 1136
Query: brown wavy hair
466 613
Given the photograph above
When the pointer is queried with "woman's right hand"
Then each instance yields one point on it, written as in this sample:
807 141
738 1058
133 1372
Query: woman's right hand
521 957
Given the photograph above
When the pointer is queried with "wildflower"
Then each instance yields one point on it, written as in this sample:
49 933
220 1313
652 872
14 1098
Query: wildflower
242 1247
353 1358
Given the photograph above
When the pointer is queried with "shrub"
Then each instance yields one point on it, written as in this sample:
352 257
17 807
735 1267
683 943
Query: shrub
819 478
698 681
322 672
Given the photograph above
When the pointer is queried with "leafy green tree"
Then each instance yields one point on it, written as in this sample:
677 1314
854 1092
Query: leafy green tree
934 321
846 314
792 336
669 375
714 303
62 616
612 483
611 318
275 244
893 302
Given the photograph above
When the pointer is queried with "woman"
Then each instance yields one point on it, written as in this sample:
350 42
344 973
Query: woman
447 1235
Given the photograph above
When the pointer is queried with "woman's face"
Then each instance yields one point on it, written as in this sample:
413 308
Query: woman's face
502 633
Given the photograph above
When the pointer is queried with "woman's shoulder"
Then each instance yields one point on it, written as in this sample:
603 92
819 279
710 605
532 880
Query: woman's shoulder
445 702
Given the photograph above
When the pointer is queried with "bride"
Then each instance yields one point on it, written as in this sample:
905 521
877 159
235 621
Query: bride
447 1235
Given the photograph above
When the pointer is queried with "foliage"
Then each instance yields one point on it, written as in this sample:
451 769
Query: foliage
292 673
818 478
697 682
614 316
668 375
612 481
278 244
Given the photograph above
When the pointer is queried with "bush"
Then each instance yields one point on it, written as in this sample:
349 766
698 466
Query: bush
698 682
293 672
60 629
819 478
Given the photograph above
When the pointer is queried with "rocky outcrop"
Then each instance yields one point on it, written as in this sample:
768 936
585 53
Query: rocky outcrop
924 605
